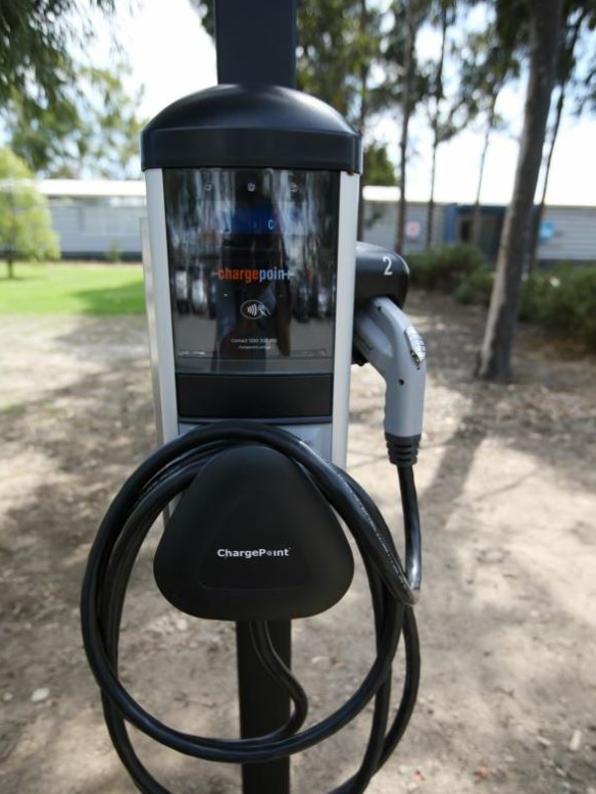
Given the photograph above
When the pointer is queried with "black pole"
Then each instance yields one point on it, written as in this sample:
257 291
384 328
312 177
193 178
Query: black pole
264 706
256 45
256 41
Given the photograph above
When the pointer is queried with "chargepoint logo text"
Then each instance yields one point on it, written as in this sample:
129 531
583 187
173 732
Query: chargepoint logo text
251 554
253 275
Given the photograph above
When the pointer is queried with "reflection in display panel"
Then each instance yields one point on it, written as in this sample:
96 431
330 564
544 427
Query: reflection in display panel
252 259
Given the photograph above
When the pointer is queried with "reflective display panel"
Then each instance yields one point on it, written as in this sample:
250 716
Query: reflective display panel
252 261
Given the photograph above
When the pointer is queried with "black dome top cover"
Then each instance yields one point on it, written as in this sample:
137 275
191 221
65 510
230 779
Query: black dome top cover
255 126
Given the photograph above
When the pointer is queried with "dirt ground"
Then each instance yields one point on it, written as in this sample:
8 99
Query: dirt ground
507 618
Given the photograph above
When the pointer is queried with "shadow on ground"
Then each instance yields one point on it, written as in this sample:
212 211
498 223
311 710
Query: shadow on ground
507 630
124 299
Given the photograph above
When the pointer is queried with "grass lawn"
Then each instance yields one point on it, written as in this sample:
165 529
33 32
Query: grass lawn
72 289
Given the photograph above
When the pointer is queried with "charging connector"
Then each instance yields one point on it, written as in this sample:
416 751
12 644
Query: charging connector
385 337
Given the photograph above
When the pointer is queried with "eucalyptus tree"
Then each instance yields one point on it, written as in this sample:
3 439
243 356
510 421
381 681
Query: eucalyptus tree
405 84
545 26
91 130
37 38
488 62
339 44
25 225
585 81
378 167
580 22
443 120
59 112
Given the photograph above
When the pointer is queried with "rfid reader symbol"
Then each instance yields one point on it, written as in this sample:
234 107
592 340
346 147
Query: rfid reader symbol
254 310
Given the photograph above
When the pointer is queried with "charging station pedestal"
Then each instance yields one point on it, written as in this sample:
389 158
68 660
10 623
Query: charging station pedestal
255 316
252 192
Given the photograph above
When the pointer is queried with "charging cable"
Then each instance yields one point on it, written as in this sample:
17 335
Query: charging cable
149 490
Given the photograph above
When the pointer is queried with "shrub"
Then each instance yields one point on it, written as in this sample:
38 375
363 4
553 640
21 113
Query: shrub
25 224
477 287
444 268
420 269
113 252
562 299
534 293
569 303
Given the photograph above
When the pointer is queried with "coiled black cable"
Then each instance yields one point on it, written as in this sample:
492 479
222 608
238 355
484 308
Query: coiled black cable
164 475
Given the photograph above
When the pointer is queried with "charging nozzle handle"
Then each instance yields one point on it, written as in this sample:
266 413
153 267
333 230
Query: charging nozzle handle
385 337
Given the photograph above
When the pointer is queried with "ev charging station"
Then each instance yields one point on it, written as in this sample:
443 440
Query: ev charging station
259 299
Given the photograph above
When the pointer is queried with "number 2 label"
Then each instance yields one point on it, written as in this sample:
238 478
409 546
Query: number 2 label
387 262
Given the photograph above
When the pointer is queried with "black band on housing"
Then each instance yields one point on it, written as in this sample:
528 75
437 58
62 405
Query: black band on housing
213 395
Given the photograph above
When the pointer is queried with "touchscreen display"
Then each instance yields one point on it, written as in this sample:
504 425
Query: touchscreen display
252 261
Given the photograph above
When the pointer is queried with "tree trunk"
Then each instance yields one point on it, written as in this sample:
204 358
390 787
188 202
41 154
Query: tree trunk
12 250
539 213
402 206
364 72
431 202
435 129
405 124
476 215
545 35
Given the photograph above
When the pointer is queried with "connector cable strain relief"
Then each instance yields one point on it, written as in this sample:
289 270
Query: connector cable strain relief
402 450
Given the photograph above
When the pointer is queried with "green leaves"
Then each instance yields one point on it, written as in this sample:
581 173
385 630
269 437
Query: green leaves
378 168
64 118
35 41
91 130
339 43
25 228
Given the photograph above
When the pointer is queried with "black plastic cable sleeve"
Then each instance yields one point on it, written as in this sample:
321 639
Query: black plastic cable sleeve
115 583
232 751
134 531
410 686
411 683
413 535
277 669
143 779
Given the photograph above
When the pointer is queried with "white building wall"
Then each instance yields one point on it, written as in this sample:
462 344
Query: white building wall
572 234
93 219
381 224
87 229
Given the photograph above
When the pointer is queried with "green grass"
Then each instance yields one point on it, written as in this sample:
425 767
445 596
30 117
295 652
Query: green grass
72 289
